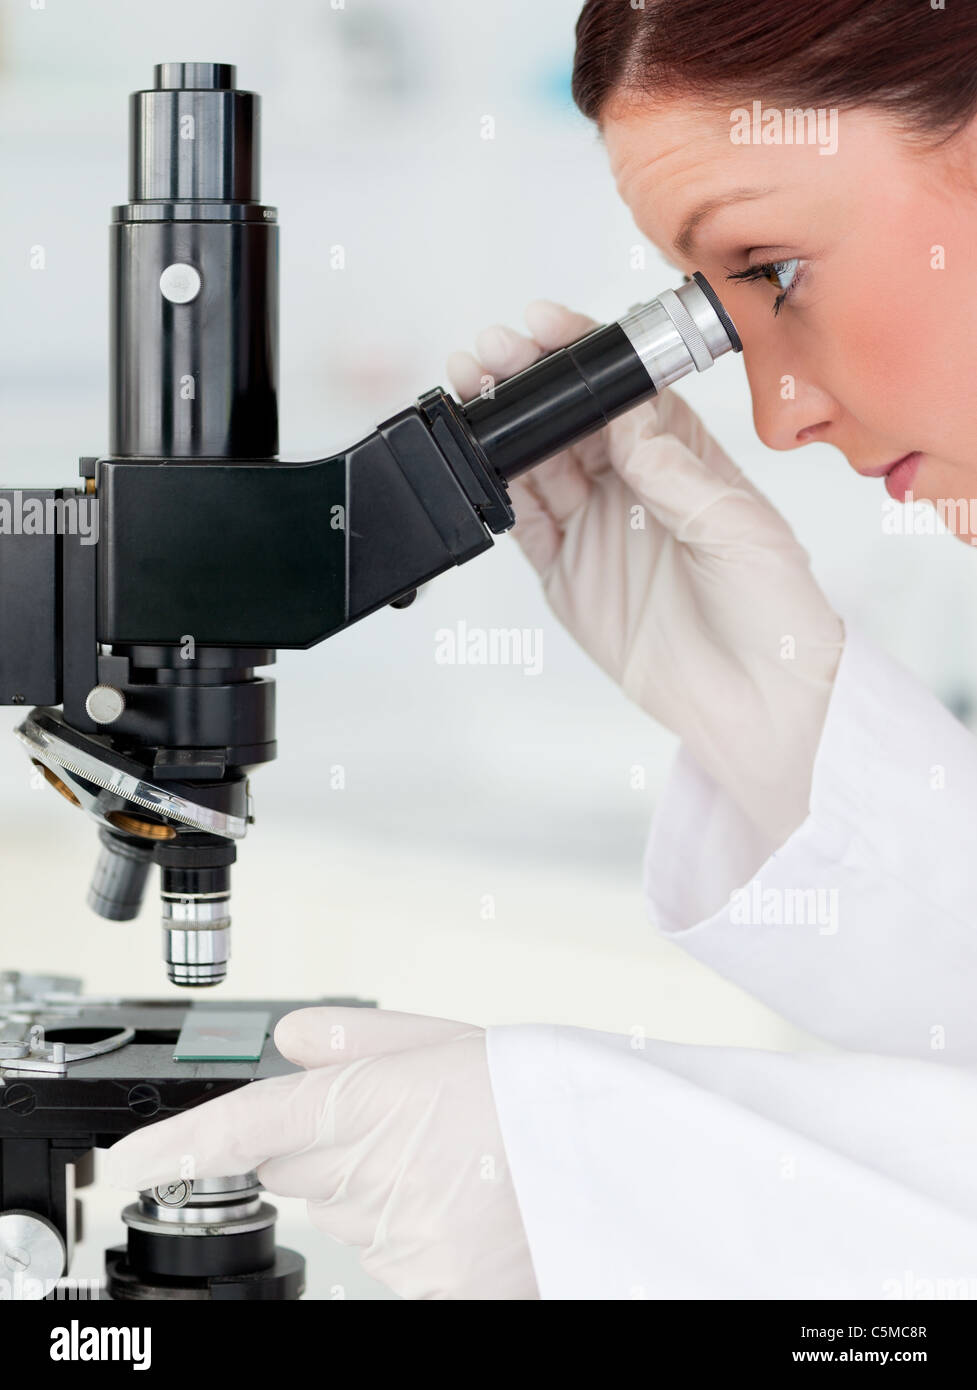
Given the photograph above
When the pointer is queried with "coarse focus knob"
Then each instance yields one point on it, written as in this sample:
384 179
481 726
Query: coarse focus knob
104 704
32 1255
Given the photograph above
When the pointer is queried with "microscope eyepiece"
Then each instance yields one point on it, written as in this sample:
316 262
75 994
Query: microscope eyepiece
578 389
194 136
679 330
196 77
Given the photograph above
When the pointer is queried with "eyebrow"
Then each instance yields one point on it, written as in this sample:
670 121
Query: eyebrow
685 240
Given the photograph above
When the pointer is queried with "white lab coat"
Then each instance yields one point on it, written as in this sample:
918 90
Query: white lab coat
675 1171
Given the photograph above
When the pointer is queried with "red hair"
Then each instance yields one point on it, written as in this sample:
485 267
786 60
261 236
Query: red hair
917 63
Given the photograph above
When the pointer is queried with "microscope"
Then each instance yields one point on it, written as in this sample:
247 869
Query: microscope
137 610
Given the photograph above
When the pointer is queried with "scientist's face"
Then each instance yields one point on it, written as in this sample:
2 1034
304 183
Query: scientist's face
865 334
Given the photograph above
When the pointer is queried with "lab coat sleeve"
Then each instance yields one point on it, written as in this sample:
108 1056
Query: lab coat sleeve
675 1171
862 927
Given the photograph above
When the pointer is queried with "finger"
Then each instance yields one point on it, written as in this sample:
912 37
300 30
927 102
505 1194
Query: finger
691 501
349 1163
503 352
677 417
538 534
561 485
554 325
342 1202
344 1223
319 1037
466 375
670 413
232 1134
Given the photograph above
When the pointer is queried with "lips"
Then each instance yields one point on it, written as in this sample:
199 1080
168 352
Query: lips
900 476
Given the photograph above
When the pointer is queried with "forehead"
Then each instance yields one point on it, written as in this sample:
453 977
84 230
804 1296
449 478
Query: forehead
658 140
668 157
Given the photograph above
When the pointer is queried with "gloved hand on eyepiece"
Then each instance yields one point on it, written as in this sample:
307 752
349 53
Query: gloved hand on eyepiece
390 1134
680 580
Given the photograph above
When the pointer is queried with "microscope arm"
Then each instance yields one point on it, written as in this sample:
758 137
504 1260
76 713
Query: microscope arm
282 555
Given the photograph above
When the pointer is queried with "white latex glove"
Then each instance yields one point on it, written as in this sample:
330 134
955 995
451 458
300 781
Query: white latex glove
680 579
391 1136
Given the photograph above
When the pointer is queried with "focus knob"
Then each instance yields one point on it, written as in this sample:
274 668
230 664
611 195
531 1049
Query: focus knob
32 1255
104 704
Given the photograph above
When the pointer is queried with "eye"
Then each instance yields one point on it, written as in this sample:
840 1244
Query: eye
783 275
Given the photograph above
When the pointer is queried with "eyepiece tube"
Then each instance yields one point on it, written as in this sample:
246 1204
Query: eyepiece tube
578 389
193 276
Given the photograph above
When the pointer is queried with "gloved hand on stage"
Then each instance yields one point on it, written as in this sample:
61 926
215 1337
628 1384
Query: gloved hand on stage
390 1133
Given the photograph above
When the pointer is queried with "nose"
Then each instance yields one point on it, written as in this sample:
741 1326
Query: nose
789 410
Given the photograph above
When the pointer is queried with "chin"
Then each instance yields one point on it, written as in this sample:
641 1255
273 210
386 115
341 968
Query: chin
954 498
939 480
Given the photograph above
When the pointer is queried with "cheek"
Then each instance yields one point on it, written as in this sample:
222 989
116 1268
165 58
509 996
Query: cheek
898 335
875 373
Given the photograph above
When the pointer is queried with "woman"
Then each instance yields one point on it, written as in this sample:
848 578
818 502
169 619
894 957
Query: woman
816 841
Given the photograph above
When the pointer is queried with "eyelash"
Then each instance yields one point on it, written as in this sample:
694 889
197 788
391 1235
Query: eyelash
771 271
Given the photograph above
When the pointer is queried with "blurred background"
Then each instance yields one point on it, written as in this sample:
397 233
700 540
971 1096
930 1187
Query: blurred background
455 840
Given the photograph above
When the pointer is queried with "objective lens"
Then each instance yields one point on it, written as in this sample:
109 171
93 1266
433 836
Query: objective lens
119 879
196 924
